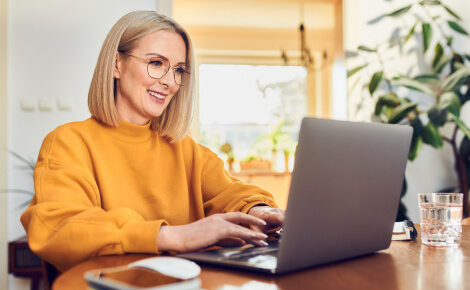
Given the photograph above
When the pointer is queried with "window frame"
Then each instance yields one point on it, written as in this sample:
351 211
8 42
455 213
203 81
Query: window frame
315 101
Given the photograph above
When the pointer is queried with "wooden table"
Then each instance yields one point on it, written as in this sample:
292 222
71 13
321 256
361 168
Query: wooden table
405 265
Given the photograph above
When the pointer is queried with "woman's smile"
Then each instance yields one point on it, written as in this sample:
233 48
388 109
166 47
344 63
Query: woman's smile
157 97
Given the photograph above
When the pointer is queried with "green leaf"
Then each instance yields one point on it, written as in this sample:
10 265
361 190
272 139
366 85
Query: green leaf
432 137
451 12
427 35
461 125
28 163
457 79
443 61
450 39
438 52
450 101
400 112
365 48
427 78
375 81
430 2
412 31
355 70
417 139
415 148
387 101
437 116
412 84
399 12
456 27
458 65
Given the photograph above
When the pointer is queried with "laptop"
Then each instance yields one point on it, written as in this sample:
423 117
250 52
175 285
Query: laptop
343 199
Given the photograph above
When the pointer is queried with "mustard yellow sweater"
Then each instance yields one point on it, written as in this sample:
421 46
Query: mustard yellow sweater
104 191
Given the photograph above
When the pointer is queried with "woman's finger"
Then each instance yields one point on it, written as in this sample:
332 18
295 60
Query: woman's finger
274 217
248 235
241 218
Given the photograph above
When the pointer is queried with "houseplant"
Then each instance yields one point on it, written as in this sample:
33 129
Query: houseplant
441 75
228 151
277 140
28 167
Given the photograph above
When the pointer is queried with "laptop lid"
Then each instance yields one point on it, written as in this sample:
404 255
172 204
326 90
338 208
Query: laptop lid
345 191
343 198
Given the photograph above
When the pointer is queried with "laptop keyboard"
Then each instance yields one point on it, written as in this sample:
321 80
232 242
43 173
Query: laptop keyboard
255 252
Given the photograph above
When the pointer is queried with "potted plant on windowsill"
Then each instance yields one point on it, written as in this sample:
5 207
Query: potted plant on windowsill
230 157
275 142
444 77
287 146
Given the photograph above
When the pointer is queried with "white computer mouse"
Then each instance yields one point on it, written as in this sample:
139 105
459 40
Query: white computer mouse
170 266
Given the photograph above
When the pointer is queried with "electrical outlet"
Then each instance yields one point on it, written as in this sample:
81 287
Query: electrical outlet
64 104
46 104
28 104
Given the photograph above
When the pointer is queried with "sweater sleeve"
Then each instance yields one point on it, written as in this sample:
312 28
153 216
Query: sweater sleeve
65 223
225 193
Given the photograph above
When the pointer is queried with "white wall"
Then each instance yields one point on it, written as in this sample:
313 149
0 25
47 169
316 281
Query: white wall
3 134
53 46
433 169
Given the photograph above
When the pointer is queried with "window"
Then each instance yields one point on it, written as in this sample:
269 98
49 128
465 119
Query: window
254 108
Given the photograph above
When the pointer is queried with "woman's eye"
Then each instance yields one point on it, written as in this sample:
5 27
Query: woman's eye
179 70
156 63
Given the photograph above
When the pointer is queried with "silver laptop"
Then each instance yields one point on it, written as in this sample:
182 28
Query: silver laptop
343 198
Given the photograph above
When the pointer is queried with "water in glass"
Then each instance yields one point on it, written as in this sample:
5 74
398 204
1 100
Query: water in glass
441 224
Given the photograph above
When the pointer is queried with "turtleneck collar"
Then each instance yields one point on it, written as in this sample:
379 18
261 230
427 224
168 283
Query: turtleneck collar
130 132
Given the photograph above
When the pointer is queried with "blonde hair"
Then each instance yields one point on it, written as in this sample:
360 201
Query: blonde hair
175 121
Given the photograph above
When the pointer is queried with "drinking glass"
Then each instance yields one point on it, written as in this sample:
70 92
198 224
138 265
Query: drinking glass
440 218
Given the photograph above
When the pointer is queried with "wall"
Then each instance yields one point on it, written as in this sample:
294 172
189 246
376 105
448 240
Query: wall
433 169
3 134
52 47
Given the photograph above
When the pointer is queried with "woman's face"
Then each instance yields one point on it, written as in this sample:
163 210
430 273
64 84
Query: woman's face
139 97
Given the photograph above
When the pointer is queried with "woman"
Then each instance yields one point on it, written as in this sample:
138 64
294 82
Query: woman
129 180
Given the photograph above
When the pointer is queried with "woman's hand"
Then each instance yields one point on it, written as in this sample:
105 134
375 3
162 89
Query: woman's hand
225 228
274 217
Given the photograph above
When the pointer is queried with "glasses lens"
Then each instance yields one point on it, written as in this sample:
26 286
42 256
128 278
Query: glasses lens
157 67
181 76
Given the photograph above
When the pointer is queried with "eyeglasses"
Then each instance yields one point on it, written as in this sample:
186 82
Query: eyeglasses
158 67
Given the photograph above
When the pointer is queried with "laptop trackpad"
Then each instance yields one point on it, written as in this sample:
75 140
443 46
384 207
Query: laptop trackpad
261 257
266 261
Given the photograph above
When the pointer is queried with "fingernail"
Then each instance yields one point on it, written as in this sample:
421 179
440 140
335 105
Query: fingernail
259 236
263 222
263 243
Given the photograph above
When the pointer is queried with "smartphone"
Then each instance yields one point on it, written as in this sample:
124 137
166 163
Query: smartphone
137 278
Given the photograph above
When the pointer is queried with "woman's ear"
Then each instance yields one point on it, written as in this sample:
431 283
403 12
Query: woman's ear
117 67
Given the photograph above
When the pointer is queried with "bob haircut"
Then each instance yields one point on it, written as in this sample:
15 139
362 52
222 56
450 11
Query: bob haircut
176 119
